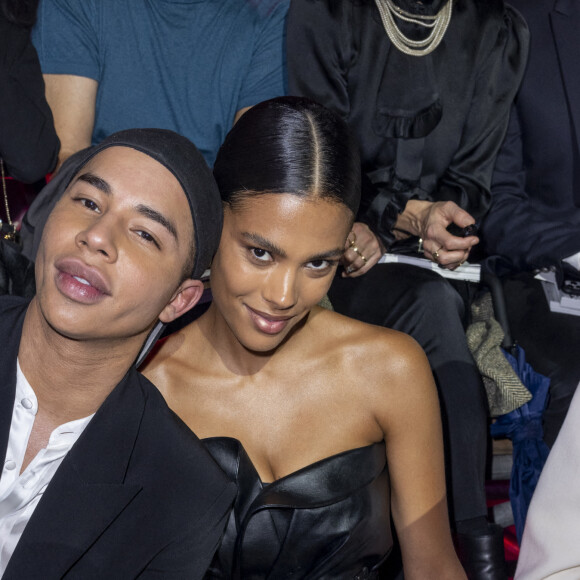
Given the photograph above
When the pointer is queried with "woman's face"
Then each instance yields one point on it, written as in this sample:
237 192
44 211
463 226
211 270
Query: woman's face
277 257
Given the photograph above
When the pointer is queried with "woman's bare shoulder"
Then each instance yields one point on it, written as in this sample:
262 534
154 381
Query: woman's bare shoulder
347 335
372 355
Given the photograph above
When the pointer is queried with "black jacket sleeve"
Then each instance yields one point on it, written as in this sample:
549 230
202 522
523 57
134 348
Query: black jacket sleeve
28 141
517 233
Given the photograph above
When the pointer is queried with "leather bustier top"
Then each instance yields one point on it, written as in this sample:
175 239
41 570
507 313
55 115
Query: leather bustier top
328 520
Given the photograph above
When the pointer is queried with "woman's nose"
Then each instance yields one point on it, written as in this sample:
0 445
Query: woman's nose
280 289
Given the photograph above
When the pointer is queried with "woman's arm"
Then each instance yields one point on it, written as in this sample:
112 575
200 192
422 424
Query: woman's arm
499 73
407 410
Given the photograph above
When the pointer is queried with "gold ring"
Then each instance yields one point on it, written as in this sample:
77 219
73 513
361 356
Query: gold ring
436 254
355 249
352 242
359 254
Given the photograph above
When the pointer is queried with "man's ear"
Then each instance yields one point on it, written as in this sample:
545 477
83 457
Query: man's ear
185 298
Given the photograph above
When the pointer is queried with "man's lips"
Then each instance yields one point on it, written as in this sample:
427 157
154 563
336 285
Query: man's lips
268 323
81 282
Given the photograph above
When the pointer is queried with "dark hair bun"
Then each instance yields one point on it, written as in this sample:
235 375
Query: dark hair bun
289 145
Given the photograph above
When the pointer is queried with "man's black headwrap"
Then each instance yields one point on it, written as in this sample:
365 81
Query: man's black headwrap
175 152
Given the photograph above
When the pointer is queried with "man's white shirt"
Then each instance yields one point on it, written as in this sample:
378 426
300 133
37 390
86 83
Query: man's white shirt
21 492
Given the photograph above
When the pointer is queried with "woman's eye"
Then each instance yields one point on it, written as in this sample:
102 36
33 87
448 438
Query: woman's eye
319 265
261 255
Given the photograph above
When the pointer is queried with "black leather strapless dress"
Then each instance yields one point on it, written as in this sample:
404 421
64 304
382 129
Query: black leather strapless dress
328 520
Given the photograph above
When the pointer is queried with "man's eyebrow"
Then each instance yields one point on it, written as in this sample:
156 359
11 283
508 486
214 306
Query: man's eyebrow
95 181
144 210
154 215
264 244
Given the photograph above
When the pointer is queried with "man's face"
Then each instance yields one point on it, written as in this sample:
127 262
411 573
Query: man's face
112 253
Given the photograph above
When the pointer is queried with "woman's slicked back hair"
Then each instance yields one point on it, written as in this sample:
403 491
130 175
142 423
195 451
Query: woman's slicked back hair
289 145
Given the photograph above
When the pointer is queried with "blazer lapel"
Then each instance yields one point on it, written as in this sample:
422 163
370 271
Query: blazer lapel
565 23
87 493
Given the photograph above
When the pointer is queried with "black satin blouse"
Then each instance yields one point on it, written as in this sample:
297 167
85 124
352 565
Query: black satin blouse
328 520
428 127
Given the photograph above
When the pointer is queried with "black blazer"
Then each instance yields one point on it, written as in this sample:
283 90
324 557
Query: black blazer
534 220
136 496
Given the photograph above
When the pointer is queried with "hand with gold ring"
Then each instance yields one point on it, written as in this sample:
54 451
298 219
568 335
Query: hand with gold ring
436 255
354 248
429 221
362 251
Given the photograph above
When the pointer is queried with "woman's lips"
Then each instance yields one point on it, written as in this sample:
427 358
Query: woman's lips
268 323
80 282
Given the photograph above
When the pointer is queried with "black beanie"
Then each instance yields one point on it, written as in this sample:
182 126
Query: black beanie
175 152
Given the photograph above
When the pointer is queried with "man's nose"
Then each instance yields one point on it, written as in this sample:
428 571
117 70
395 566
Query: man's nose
99 237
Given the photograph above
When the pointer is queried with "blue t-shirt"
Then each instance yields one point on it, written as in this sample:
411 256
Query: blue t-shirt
186 65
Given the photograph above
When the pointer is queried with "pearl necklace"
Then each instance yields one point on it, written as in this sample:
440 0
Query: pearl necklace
438 25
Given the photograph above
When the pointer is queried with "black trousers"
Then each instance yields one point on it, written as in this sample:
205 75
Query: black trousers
432 310
551 342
